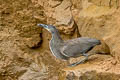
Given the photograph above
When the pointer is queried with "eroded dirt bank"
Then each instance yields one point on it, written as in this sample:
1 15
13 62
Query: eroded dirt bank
24 50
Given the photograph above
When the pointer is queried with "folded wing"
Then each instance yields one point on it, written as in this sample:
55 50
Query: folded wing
75 47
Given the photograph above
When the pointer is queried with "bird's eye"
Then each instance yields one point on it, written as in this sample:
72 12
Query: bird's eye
46 26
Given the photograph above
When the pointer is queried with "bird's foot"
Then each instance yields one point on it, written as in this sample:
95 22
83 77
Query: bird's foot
72 65
77 63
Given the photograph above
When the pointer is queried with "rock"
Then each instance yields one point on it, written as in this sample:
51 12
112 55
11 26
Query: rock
24 49
21 50
97 22
94 69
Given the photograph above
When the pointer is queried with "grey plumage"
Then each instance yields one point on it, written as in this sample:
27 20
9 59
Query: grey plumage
71 48
78 45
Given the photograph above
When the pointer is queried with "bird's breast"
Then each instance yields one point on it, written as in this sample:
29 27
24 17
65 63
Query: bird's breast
55 50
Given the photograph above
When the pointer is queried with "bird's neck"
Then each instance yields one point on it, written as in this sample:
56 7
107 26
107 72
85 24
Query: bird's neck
56 37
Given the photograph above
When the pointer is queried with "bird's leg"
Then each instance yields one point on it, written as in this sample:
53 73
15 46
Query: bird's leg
81 61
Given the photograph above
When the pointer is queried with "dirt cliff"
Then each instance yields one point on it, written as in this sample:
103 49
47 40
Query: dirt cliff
24 50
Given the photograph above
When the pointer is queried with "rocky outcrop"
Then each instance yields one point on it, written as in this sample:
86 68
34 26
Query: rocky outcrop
24 50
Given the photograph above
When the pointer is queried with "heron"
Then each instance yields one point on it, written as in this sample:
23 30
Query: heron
73 48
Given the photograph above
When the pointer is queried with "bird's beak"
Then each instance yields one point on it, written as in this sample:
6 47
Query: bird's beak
42 25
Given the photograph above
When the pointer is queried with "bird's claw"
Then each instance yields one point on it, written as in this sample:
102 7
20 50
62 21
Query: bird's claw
79 62
75 64
71 65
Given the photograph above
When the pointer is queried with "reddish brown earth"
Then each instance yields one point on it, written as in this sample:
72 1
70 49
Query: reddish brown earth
24 50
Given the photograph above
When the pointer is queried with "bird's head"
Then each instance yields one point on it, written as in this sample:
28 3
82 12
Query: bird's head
50 28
